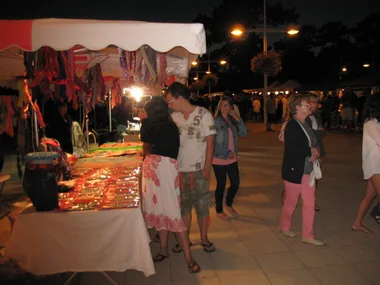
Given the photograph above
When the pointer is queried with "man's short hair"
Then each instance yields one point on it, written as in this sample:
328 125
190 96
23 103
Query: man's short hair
177 89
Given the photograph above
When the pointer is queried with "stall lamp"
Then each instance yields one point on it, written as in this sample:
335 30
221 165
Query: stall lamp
286 92
223 62
194 63
195 78
276 92
208 72
268 93
366 65
136 93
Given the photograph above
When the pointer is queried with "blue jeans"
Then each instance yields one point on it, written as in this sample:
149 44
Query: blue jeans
376 210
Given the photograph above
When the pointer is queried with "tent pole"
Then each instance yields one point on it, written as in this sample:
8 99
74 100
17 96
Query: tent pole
110 109
87 133
36 128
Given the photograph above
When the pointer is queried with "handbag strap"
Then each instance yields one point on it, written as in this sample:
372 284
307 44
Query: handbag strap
307 135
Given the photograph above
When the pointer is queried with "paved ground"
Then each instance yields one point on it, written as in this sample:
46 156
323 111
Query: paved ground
249 249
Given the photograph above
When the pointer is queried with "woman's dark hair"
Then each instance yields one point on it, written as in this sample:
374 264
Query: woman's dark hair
372 107
157 109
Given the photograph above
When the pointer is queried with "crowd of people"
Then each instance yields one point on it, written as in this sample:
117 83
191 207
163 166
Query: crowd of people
176 175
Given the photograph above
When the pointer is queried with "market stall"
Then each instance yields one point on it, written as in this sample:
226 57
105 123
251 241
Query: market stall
97 224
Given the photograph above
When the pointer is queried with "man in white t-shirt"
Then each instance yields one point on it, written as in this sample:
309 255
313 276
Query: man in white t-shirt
197 134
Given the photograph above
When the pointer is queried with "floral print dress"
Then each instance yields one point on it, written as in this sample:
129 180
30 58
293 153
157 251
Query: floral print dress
161 200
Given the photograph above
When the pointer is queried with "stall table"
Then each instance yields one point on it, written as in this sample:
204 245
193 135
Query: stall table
46 243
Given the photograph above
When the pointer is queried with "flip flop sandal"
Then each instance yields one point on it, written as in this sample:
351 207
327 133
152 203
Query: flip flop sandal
376 218
195 268
208 247
362 229
177 247
160 257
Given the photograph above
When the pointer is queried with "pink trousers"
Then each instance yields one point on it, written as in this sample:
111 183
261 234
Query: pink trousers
292 192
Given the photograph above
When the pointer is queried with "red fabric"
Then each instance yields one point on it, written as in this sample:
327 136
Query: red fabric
170 80
16 33
7 119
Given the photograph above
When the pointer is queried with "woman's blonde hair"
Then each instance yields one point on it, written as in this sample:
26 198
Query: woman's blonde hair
295 100
224 98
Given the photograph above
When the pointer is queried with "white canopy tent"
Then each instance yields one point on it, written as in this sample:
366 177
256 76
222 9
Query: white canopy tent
99 40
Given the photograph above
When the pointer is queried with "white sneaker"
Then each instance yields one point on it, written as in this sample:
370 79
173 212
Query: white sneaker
315 242
287 233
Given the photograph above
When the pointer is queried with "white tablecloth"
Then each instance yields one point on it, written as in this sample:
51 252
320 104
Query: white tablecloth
112 240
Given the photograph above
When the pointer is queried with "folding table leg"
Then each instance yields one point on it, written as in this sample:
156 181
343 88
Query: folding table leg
71 278
109 278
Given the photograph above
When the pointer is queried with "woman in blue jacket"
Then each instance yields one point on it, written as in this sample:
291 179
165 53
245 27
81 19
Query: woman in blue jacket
228 126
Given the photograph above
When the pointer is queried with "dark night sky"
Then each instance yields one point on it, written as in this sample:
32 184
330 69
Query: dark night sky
312 11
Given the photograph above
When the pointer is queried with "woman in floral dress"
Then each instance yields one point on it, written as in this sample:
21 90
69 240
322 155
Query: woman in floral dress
161 201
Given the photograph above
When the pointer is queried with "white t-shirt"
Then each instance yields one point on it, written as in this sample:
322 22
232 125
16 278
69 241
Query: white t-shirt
193 133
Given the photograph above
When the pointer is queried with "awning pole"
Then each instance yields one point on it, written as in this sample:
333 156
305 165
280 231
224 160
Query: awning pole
110 109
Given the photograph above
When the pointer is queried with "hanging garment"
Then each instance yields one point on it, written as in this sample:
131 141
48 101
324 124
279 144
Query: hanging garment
97 82
6 115
149 57
162 64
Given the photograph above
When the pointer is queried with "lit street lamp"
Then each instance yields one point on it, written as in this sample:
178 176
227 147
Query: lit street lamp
208 61
265 31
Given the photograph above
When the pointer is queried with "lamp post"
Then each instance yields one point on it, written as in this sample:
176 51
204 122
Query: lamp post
265 31
196 64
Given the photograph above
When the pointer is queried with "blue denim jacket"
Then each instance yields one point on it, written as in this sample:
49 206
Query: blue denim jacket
221 139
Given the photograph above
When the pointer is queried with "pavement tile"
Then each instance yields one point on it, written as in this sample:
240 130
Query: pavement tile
293 277
265 241
370 270
90 278
345 274
279 262
227 264
257 278
320 257
200 281
358 254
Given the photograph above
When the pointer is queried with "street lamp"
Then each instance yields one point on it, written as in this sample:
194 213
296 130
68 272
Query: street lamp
238 32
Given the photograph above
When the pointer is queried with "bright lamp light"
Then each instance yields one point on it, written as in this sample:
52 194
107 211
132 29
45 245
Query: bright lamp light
237 32
136 93
293 32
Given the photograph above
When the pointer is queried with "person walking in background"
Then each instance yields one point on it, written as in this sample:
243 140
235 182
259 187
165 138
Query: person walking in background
123 114
60 128
327 109
271 111
256 109
371 160
300 152
160 179
197 136
228 127
315 122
